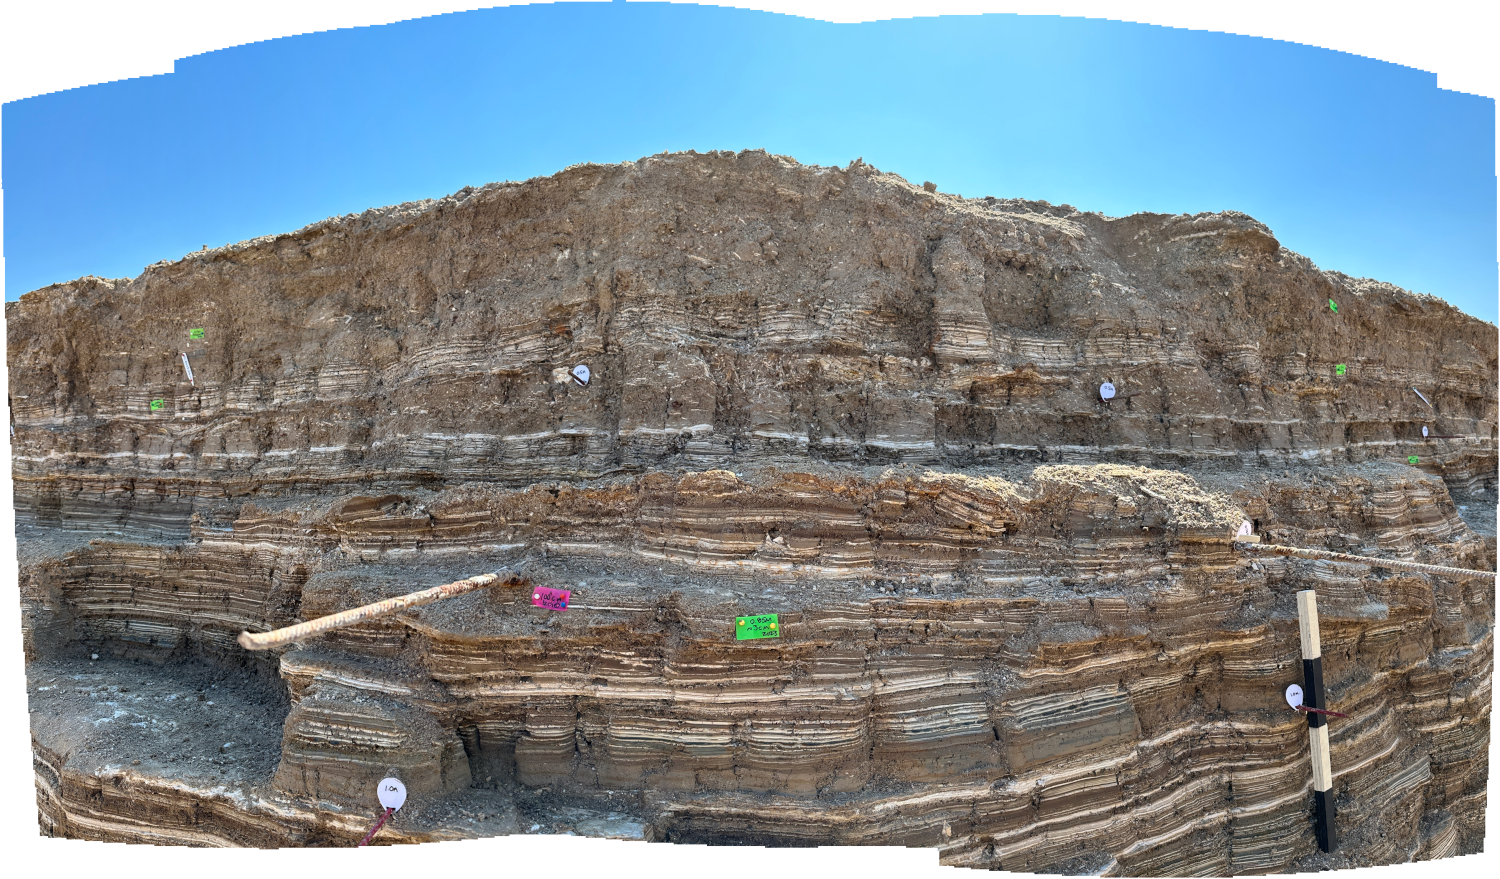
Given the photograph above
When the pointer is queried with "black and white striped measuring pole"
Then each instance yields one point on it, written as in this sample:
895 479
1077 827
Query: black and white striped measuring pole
1317 724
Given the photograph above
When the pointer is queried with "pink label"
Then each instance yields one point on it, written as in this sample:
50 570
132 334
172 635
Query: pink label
552 599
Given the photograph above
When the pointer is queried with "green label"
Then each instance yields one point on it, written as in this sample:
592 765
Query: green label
1339 368
157 404
1333 305
195 334
763 626
1411 459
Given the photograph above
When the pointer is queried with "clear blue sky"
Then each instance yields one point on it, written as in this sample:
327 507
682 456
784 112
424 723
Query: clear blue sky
1366 167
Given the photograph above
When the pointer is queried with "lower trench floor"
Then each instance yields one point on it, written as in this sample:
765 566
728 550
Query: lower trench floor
209 734
213 735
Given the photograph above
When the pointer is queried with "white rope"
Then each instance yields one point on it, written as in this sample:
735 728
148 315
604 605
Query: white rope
1294 552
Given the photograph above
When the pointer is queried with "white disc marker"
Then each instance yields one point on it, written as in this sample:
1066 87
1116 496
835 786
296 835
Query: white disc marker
392 793
1424 430
1106 390
1294 696
581 375
1246 529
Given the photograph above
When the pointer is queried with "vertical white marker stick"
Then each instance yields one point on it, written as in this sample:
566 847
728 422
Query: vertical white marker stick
189 369
1317 724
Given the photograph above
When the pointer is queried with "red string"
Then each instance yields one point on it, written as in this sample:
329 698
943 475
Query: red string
1321 711
378 824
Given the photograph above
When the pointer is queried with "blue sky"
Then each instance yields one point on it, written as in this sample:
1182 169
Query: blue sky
1366 167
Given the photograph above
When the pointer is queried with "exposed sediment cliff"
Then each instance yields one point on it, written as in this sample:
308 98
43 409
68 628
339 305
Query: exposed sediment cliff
1012 626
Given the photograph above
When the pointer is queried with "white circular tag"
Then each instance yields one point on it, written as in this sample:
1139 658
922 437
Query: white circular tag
1294 696
1246 529
1106 390
392 793
1424 430
581 374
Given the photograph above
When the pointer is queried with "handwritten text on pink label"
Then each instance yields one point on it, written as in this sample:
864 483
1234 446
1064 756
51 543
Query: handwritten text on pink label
552 599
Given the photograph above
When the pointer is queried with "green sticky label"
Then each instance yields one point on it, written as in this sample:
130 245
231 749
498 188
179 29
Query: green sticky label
157 404
1333 305
763 626
195 333
1411 459
1338 369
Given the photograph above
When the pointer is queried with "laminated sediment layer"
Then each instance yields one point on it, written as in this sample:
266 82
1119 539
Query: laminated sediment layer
733 309
1011 623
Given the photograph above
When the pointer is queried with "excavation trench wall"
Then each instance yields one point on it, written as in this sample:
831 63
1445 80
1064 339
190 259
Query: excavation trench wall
1012 625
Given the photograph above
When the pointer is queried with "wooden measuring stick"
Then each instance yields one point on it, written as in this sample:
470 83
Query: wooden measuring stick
282 637
1317 723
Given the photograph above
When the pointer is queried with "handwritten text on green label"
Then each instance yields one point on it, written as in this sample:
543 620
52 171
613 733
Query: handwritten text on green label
763 626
